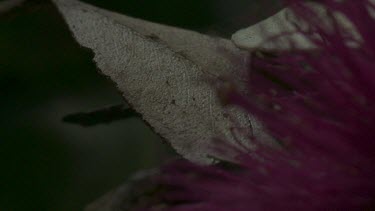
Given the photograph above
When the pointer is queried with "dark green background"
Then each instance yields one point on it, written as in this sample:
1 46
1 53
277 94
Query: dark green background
44 75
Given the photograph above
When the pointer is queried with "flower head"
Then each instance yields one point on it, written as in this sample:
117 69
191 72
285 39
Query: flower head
319 106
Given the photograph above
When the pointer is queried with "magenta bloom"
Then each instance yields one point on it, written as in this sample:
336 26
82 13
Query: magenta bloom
320 106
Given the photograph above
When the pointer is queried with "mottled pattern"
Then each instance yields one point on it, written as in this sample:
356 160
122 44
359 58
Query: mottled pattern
163 72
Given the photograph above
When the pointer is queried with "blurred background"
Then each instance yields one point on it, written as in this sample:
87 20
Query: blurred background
47 164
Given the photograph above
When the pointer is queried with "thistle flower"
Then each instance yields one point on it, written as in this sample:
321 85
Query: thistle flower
319 106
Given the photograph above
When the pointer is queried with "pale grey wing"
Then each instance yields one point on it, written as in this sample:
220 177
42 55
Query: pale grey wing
201 49
258 35
162 72
265 35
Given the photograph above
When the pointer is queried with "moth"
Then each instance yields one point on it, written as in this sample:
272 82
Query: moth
166 73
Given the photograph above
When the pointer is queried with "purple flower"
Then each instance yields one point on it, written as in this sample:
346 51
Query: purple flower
320 106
